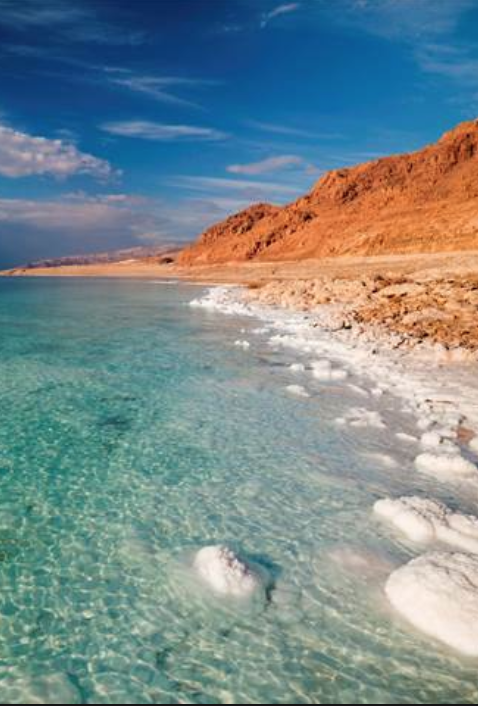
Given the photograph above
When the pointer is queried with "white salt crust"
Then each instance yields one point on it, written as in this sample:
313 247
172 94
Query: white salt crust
297 368
441 401
245 345
448 467
427 521
361 418
222 571
438 594
324 371
297 391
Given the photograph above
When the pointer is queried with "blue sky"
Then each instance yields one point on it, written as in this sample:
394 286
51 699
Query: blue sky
132 123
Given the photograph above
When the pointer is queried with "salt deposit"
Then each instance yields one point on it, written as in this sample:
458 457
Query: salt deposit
360 417
323 370
407 438
383 459
474 445
297 368
297 390
439 402
450 467
438 594
245 345
221 569
426 521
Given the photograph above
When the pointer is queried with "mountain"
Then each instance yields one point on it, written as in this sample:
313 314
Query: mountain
426 201
162 253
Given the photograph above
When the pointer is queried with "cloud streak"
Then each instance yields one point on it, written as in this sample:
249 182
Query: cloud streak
272 164
23 155
285 9
160 132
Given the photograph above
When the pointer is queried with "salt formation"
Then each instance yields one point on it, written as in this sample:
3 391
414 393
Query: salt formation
474 445
245 345
426 521
297 390
225 573
438 594
297 368
323 370
362 418
446 467
407 438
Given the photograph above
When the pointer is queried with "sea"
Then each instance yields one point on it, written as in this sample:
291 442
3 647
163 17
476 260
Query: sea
136 430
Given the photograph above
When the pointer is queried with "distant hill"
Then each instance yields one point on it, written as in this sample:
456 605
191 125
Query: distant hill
163 253
422 202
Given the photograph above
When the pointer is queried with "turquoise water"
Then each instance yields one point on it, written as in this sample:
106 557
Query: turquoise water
132 433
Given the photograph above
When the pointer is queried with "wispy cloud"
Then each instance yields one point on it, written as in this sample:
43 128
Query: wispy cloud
292 131
24 155
160 132
284 9
159 88
69 21
241 188
407 20
271 164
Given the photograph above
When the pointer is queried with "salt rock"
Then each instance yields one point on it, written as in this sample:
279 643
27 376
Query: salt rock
426 521
474 445
323 370
438 594
297 390
221 569
446 467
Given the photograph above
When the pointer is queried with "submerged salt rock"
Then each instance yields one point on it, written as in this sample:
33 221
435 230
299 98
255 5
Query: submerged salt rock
323 370
245 345
438 594
297 390
426 521
361 418
446 467
297 368
225 573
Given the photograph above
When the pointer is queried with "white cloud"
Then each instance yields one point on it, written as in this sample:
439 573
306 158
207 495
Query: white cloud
408 20
291 131
284 9
159 88
25 155
272 164
159 132
240 188
72 21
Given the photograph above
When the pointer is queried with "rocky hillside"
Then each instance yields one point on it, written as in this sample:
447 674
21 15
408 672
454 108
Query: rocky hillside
426 201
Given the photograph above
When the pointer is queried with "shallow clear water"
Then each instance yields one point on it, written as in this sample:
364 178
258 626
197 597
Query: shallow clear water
132 433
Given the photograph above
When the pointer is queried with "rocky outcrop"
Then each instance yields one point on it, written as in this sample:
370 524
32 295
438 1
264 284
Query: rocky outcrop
426 201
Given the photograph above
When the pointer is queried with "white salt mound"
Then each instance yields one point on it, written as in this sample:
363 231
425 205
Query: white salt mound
297 368
220 568
361 418
474 445
323 370
297 390
426 521
407 438
245 345
438 594
446 468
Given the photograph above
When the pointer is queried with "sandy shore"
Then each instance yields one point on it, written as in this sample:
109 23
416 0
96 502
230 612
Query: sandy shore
421 298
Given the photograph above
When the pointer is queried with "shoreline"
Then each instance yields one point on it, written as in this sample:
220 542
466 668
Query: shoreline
416 298
446 405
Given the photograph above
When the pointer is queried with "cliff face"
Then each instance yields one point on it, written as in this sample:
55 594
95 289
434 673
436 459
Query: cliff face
421 202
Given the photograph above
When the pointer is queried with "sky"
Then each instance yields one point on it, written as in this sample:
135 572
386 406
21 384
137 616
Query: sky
127 123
